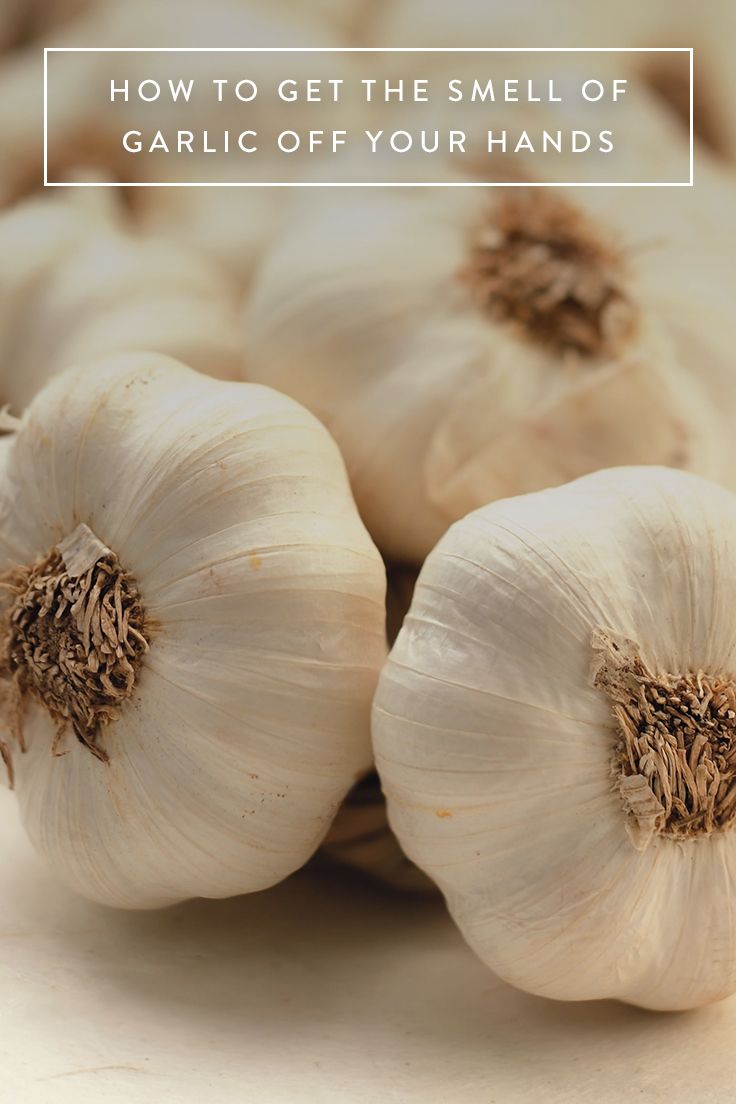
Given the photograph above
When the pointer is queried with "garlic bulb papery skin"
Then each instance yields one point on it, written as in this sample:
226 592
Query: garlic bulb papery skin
208 752
555 731
73 286
446 380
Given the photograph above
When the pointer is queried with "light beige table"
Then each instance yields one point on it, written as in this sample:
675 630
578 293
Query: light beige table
323 990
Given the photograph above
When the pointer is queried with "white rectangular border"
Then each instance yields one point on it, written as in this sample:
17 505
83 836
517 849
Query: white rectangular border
362 50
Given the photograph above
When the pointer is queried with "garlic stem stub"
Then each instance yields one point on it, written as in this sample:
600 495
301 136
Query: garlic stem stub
76 636
191 629
555 732
462 348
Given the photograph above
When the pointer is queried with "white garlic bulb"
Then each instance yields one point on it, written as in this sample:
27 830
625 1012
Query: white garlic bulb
192 627
576 23
82 127
555 731
233 227
73 285
464 347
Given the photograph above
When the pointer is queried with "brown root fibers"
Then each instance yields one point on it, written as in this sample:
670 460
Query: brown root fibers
539 264
72 640
675 762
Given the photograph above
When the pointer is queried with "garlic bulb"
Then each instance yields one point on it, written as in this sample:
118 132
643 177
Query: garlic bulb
74 286
190 651
555 732
464 347
232 227
83 129
661 23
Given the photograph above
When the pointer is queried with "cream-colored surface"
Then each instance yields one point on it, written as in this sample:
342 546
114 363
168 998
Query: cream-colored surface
320 991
